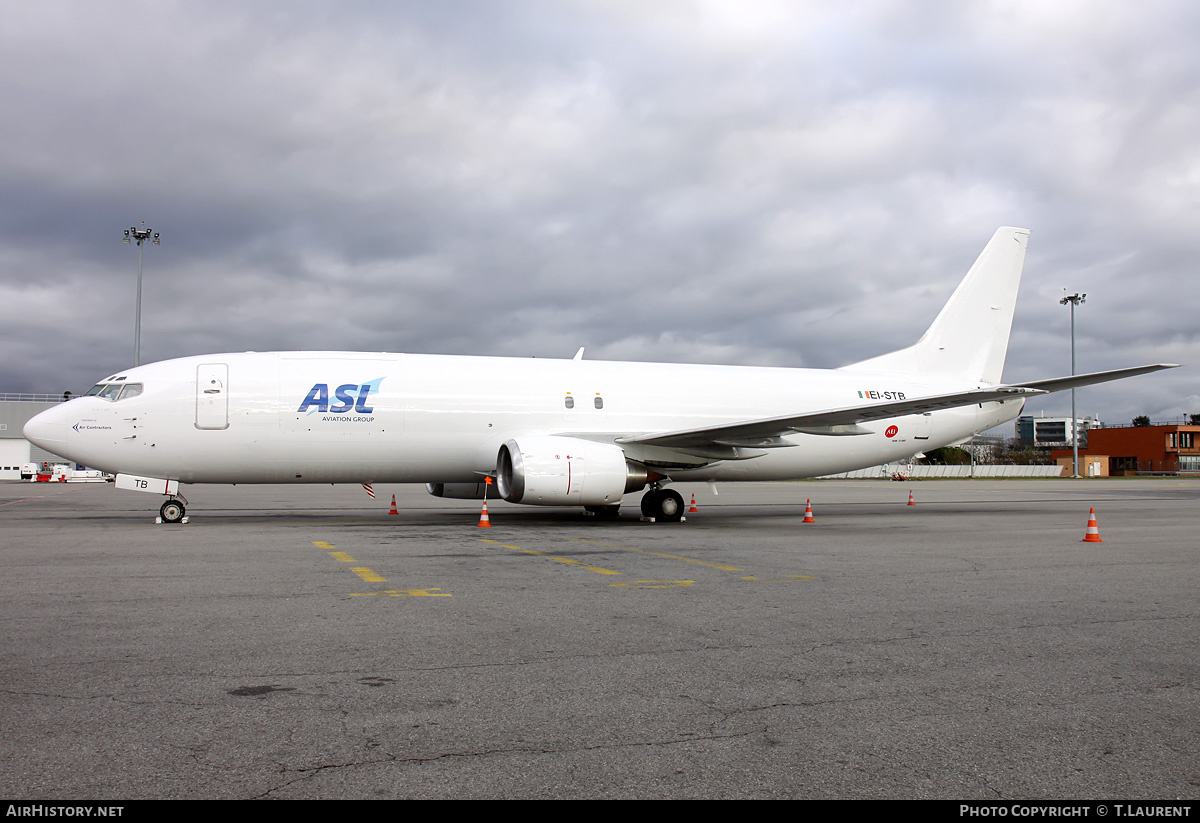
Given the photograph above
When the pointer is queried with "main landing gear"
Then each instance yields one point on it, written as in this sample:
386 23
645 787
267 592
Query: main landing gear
664 505
173 511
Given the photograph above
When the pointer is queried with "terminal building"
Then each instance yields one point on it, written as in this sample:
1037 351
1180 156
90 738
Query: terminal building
1049 432
15 450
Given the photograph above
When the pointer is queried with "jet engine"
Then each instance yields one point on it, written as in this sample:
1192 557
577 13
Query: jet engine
548 470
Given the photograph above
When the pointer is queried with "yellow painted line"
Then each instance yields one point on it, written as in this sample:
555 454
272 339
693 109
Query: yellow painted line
655 584
659 554
567 560
342 556
321 544
368 575
406 593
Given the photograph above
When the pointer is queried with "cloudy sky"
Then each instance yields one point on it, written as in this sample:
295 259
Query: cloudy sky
775 183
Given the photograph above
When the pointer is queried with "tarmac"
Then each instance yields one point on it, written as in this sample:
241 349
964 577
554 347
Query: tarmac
300 642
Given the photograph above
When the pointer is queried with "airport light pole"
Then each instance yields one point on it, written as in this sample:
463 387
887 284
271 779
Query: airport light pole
1075 300
133 233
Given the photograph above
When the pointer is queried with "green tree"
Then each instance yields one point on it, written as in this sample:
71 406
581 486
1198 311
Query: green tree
947 456
1141 420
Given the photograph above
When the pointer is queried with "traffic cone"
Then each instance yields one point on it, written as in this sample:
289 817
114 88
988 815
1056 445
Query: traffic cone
484 522
808 518
1093 530
393 511
693 508
911 502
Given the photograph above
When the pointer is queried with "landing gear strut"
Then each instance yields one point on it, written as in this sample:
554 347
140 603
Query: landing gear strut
664 505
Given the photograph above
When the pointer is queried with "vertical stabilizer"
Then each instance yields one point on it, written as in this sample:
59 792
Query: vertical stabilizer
969 338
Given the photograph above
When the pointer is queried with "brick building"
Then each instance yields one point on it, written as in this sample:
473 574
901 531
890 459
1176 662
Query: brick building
1134 449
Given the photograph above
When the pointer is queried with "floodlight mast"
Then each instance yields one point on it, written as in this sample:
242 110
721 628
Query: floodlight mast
133 233
1074 300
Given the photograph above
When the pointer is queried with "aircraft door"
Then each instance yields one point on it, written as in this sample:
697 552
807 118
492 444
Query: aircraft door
212 396
923 426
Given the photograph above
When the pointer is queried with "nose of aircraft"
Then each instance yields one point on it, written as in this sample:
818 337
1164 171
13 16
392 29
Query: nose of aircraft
47 430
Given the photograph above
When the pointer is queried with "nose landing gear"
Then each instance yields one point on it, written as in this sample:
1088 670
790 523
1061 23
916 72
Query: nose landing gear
173 511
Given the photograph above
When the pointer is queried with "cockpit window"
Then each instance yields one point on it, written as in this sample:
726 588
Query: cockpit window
115 391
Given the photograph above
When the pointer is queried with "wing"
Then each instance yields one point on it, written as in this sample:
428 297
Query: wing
767 432
1074 382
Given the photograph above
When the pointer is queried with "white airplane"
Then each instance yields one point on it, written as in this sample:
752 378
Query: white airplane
552 432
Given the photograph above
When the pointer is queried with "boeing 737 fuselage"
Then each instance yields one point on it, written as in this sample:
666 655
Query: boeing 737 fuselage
551 432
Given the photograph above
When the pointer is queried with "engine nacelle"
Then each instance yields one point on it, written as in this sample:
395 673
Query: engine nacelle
457 491
547 470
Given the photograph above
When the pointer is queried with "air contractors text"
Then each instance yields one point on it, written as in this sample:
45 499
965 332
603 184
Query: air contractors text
350 397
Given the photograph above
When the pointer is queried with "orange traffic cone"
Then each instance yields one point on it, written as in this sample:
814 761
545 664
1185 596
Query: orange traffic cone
484 522
1093 530
693 508
393 511
911 502
808 518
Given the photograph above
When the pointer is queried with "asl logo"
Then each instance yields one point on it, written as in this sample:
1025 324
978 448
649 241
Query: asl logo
349 396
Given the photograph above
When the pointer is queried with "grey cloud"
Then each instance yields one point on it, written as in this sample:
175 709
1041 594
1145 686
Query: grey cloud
773 185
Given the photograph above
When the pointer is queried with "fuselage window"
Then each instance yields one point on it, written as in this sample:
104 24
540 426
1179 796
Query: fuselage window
599 402
130 390
569 402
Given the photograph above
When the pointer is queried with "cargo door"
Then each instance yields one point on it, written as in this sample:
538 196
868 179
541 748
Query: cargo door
212 396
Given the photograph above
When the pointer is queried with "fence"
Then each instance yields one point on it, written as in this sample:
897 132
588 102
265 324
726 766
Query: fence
888 469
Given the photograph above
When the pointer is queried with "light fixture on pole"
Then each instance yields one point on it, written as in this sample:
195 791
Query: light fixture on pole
133 233
1075 300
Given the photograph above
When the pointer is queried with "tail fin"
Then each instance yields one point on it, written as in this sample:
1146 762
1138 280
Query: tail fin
969 338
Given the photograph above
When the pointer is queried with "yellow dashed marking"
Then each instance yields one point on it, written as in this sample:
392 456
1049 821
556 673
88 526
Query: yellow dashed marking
567 560
659 554
371 576
655 584
403 593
